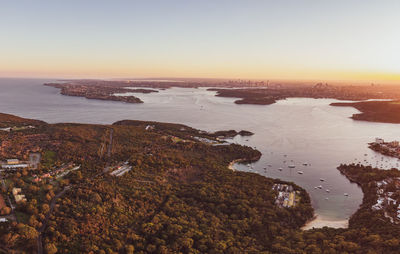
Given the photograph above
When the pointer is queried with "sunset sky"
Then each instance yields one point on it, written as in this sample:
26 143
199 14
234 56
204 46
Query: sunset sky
299 39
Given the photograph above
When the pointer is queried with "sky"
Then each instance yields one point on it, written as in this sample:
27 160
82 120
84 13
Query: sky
248 39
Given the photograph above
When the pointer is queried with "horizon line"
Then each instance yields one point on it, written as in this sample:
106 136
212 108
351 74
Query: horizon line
282 80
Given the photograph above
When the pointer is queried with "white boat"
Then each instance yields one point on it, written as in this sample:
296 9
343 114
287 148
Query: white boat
291 166
319 187
346 194
300 172
305 164
327 190
280 169
322 179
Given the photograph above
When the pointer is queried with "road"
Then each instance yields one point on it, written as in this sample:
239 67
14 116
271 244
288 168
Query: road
110 143
46 220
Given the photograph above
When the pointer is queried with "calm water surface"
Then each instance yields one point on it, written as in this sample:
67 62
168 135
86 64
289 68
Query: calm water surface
293 131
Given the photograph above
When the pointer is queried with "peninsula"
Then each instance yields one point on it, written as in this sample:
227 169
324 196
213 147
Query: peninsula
380 210
375 111
257 93
161 187
272 93
119 187
391 148
99 92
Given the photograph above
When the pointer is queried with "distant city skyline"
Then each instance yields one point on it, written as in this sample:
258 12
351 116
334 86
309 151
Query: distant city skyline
278 40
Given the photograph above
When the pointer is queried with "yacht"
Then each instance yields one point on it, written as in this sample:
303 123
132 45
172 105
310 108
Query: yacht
300 172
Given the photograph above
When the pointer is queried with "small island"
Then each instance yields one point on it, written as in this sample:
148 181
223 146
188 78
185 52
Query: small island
256 96
231 134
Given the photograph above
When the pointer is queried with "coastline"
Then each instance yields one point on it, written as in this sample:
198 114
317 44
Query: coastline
80 142
316 221
232 163
374 111
320 222
378 148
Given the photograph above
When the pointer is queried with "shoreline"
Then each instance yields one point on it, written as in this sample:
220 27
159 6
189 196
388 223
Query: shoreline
317 221
374 111
232 163
320 222
378 148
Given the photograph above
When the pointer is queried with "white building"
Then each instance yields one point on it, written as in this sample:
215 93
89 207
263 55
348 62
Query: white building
18 196
12 161
14 166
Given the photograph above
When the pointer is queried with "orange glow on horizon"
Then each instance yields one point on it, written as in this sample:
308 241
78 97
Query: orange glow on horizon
104 72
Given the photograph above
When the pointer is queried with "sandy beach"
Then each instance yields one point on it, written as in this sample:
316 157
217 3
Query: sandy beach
320 222
230 166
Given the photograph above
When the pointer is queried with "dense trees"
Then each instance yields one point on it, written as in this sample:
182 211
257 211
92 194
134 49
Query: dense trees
179 197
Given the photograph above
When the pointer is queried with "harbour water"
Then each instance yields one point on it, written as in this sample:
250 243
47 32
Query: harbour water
307 133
